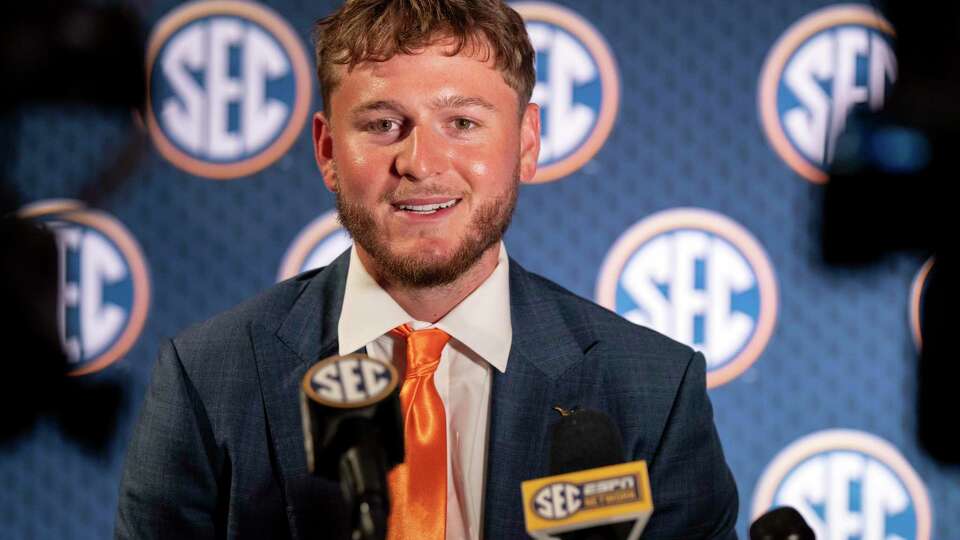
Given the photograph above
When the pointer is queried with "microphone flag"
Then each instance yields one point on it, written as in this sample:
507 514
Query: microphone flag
566 502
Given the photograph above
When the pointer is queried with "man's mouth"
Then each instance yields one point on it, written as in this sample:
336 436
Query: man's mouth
429 208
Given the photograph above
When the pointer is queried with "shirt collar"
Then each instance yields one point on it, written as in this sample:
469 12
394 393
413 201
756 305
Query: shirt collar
481 321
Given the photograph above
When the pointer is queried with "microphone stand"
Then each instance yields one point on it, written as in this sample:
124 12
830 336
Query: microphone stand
363 471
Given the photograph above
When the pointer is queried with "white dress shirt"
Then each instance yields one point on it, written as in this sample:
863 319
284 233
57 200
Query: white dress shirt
481 334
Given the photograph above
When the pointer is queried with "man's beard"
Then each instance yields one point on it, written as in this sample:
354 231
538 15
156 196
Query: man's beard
486 228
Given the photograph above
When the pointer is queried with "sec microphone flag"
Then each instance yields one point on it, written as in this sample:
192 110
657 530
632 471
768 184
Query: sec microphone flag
578 500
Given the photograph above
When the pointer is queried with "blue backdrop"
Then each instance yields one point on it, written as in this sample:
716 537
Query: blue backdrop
685 144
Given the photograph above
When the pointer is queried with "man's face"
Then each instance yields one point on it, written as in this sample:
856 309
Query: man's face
424 153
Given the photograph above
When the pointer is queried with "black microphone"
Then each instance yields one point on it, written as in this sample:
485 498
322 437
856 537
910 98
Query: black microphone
353 434
585 439
783 523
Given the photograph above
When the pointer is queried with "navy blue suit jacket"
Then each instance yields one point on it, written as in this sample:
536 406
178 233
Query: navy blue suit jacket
218 450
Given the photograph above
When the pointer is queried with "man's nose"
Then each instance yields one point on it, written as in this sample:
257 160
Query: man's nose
422 154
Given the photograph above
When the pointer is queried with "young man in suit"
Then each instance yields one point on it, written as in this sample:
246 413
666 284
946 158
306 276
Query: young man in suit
426 132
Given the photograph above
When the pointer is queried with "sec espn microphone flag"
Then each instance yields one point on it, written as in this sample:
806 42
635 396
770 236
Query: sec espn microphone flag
594 496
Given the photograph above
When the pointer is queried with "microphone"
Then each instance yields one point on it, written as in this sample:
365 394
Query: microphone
584 439
783 523
591 494
353 433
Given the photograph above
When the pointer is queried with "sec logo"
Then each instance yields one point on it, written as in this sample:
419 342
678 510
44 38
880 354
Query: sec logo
826 64
351 381
578 87
558 501
917 291
104 288
698 277
228 88
317 245
847 484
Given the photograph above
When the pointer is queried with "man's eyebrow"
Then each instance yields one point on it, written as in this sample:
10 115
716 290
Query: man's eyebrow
378 105
458 102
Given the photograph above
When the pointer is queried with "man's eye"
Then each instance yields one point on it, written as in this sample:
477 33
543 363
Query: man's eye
382 126
464 123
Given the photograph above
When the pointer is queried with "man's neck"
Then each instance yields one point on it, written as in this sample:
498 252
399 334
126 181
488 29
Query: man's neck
430 304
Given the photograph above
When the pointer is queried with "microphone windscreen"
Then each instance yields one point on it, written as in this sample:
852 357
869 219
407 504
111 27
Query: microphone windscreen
783 523
583 440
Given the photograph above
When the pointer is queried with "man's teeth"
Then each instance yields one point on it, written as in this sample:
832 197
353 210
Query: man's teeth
427 208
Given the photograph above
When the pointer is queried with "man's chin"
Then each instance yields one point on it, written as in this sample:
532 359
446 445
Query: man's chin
423 274
426 257
428 251
433 268
423 268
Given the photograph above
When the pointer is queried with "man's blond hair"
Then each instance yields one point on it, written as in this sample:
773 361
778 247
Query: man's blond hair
376 30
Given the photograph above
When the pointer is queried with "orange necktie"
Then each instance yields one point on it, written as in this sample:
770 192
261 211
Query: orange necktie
418 486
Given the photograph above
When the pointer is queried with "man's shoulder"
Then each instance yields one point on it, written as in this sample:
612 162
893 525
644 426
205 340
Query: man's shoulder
229 332
267 305
594 324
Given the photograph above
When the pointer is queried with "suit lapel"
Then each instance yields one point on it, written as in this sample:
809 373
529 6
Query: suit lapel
284 349
543 371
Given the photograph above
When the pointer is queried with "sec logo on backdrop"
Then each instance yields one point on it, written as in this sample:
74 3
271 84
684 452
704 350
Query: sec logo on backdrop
578 87
698 277
104 288
318 244
847 484
826 64
228 88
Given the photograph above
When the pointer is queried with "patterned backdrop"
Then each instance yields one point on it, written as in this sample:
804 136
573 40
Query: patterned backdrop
684 149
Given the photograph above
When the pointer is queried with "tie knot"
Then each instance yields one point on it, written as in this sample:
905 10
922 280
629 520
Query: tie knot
423 349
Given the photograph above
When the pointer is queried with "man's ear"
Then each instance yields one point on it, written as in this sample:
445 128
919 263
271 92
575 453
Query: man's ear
529 142
323 149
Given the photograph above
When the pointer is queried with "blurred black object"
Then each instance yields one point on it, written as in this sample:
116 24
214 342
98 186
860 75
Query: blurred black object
890 190
68 51
34 359
783 523
938 372
57 52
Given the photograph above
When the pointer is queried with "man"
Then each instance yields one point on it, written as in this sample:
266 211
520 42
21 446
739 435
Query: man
426 132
